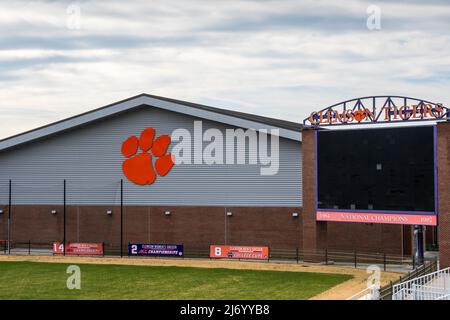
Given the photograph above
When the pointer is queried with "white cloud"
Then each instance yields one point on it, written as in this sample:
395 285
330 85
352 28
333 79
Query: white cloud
275 58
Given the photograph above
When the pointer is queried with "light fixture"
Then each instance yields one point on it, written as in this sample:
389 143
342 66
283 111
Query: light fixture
295 214
1 211
167 213
109 212
53 211
229 213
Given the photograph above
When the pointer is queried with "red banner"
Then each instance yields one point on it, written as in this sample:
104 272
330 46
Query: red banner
370 217
78 248
239 252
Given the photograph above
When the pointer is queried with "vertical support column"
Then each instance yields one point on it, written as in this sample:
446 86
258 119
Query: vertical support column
64 217
418 245
443 163
9 216
121 218
314 232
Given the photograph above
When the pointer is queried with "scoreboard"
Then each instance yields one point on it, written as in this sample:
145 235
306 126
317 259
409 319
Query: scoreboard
382 175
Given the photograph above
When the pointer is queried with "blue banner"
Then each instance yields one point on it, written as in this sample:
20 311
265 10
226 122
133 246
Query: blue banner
158 250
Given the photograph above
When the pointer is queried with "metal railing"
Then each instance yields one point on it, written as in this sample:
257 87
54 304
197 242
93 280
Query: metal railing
370 293
446 297
432 286
386 292
356 259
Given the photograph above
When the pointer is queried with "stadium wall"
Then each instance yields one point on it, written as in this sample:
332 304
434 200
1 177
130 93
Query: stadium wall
198 196
443 137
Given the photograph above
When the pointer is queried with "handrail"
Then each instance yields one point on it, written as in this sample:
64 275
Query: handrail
386 292
426 276
446 297
429 286
368 289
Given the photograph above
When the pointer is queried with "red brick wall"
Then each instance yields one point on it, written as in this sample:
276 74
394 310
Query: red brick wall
3 224
92 224
195 227
443 144
364 237
274 227
36 223
314 232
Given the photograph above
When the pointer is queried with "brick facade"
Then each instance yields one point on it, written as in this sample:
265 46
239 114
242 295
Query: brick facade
195 227
443 145
314 232
365 237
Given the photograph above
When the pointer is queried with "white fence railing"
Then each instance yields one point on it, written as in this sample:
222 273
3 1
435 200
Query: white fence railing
446 297
370 293
433 286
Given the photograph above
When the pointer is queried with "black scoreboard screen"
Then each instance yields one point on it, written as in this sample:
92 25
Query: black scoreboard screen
382 169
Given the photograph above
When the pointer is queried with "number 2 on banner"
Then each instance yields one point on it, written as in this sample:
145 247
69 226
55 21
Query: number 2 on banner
134 249
218 251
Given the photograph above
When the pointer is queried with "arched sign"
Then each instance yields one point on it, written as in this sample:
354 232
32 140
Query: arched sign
378 109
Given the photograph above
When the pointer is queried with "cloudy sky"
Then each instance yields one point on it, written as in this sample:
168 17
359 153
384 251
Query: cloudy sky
281 58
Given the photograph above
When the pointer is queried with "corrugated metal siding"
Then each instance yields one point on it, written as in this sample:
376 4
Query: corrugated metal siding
4 191
90 160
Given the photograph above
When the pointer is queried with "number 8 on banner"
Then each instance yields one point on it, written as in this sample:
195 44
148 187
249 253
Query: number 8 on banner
218 251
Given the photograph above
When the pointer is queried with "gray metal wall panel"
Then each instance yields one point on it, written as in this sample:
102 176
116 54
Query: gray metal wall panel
4 191
89 158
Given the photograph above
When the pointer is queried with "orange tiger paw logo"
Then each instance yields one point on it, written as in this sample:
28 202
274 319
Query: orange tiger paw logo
359 115
139 168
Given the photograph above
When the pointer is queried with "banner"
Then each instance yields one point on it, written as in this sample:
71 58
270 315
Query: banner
239 252
158 250
78 248
372 217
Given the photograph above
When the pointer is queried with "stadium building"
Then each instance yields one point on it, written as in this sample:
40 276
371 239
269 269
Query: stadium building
156 170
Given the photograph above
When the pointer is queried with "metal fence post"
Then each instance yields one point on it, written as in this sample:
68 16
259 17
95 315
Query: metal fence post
384 261
326 256
121 217
355 260
64 219
29 247
296 254
9 216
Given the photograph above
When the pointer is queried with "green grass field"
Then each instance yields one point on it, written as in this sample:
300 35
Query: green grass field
36 280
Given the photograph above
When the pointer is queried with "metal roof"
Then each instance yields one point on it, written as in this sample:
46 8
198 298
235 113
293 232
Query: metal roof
287 129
